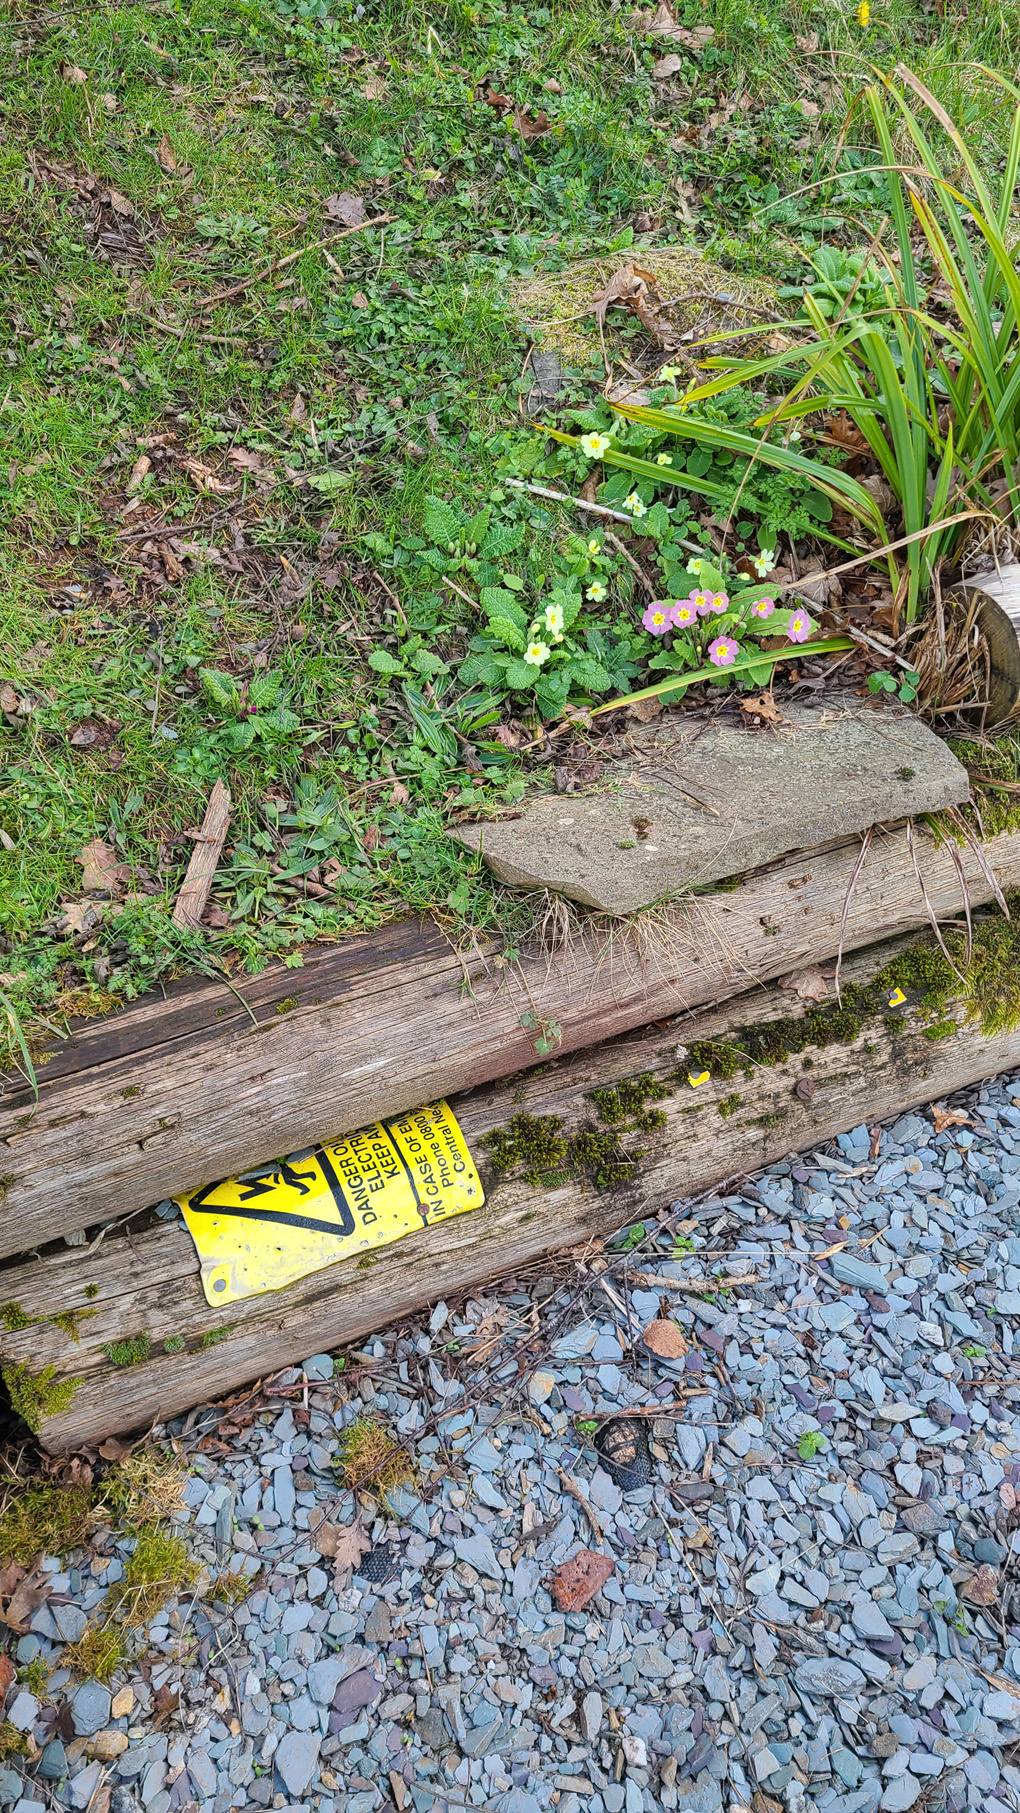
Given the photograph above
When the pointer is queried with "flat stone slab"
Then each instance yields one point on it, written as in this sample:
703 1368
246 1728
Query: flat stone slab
699 799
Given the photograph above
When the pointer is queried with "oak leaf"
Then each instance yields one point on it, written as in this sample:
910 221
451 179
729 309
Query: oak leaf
666 1339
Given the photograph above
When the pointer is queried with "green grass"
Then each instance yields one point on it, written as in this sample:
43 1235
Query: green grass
332 399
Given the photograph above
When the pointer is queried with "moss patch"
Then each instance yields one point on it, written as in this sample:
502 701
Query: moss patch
34 1395
988 996
369 1456
97 1654
537 1146
213 1337
12 1741
69 1320
14 1317
160 1569
47 1518
130 1352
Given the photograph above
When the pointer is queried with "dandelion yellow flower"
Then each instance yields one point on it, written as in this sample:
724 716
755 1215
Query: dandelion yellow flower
595 445
536 653
634 505
864 15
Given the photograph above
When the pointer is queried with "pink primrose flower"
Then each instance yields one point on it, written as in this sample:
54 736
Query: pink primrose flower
658 618
723 651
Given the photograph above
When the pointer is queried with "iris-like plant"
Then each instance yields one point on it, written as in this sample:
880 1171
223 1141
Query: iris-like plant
929 375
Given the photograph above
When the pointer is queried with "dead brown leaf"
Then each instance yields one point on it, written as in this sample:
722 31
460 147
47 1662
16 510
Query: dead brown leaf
165 1702
25 1601
809 44
6 1674
805 1087
399 795
763 709
80 916
359 300
102 872
665 67
114 1449
634 289
9 700
375 87
531 125
497 100
245 460
808 984
71 73
644 710
120 204
667 1339
167 155
949 1117
110 102
344 1544
346 207
215 918
665 25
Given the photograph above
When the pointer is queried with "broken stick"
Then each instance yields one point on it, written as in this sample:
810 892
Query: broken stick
204 859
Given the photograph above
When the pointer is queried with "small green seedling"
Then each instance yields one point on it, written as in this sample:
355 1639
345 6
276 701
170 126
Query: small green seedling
904 688
973 1351
812 1442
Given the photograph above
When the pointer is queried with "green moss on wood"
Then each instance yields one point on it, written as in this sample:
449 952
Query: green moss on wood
14 1317
130 1352
729 1105
627 1099
67 1320
213 1337
35 1395
91 1290
174 1344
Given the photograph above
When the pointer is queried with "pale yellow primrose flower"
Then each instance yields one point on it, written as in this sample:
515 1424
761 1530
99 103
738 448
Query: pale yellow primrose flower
536 653
664 459
553 618
595 445
634 505
764 561
594 547
597 592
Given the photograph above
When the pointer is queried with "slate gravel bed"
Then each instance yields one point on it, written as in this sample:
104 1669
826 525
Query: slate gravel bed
781 1629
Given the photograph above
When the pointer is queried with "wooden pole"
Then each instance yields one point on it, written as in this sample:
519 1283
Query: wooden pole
147 1289
199 1084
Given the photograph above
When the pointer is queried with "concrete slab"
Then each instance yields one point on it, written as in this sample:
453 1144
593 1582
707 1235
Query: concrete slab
700 798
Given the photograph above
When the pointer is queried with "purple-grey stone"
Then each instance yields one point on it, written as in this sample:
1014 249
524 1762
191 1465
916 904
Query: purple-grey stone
358 1690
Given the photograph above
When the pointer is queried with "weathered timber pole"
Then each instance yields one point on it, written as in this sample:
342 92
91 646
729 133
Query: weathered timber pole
149 1289
176 1091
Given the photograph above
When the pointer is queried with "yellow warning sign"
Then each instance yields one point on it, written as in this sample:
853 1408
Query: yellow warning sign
897 998
259 1232
696 1078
